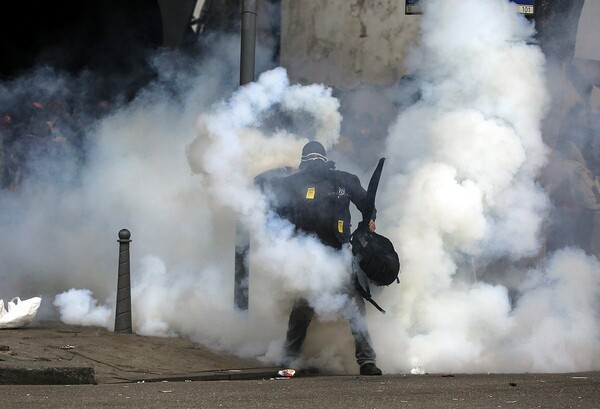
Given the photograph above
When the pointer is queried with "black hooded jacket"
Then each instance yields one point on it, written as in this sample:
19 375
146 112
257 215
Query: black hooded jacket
316 199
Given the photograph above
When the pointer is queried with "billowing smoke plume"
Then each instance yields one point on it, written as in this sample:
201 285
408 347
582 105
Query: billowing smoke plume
465 206
459 197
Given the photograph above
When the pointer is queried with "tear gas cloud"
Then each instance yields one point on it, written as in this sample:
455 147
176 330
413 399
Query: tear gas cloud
463 202
459 197
176 169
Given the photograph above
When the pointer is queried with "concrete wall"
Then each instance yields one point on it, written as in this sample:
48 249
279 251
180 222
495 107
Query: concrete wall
345 43
358 48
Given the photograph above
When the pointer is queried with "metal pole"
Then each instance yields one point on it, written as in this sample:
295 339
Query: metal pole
248 42
242 237
123 311
242 276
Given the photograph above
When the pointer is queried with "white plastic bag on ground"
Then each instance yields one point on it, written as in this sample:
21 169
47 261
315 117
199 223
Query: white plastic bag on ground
20 312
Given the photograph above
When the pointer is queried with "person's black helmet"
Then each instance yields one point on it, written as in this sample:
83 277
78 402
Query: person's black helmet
314 150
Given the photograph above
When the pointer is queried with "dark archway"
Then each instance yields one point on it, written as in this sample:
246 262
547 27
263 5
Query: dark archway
108 37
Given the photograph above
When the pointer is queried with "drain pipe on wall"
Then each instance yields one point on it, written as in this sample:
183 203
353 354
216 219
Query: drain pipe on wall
248 42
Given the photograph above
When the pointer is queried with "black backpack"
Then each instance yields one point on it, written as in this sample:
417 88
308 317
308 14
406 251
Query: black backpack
374 253
315 197
310 200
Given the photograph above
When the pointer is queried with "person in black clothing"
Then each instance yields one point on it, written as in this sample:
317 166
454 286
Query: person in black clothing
316 199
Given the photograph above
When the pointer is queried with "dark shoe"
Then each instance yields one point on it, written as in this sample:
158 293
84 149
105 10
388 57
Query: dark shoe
370 369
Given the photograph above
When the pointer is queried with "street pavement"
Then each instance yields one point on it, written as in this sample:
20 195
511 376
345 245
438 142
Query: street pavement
431 391
54 365
57 353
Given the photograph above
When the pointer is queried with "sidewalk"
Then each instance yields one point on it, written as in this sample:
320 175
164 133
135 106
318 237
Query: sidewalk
56 353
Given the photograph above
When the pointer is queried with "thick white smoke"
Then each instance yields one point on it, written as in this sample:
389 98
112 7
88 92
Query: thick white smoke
464 207
186 286
233 138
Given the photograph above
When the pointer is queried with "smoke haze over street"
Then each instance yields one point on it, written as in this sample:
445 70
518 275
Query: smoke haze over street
460 199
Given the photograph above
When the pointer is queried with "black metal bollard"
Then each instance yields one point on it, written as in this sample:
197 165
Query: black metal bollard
123 312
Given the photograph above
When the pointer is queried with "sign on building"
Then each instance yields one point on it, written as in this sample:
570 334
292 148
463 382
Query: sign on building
412 7
523 6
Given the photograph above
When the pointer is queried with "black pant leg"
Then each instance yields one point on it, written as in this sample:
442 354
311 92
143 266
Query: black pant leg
298 323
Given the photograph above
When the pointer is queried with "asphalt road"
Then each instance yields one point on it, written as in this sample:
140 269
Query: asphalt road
133 371
580 390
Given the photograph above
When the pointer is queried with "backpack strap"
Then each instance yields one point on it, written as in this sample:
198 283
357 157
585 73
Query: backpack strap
339 213
366 294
